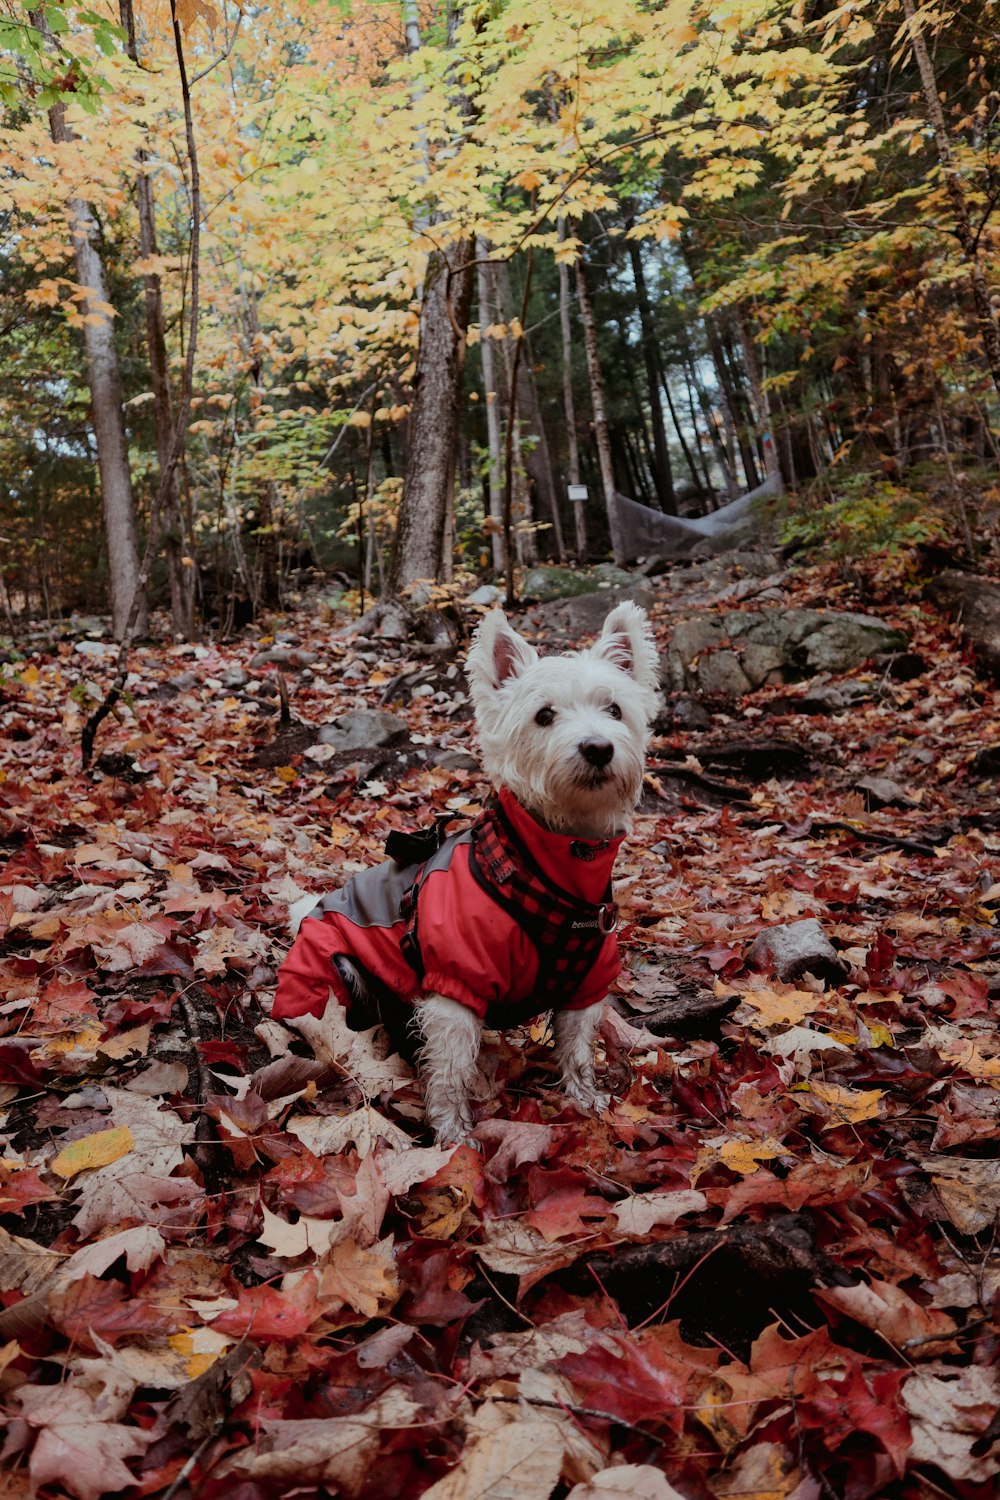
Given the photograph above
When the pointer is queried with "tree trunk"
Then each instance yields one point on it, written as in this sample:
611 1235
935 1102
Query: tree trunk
600 417
104 379
964 233
536 462
662 475
569 407
491 395
433 426
180 564
765 432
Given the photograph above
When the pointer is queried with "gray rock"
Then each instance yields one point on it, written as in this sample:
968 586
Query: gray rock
882 791
99 650
185 681
286 656
827 698
452 760
363 729
234 677
546 584
585 614
486 593
741 650
975 602
796 948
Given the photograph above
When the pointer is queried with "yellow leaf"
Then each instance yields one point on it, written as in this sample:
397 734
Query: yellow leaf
286 773
96 1150
848 1106
29 676
775 1009
746 1156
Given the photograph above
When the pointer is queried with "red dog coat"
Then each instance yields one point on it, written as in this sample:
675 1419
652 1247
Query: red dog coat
506 918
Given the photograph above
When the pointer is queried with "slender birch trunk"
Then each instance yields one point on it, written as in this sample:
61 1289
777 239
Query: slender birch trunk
104 379
600 416
491 395
569 406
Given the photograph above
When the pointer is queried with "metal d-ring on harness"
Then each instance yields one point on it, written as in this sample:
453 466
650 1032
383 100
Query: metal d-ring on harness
566 932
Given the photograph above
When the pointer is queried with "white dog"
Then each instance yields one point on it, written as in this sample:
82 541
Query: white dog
513 916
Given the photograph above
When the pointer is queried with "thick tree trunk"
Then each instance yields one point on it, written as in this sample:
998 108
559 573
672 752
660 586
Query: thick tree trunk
600 416
964 233
180 564
662 474
430 449
569 406
104 379
491 394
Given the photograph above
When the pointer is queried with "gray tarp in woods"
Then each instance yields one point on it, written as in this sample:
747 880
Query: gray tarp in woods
645 531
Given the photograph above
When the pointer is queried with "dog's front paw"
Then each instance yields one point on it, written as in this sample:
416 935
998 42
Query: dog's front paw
588 1098
452 1128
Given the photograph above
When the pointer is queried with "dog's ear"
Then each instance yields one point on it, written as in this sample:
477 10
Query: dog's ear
498 653
627 643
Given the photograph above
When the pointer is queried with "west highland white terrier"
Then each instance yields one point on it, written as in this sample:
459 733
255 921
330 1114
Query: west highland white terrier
513 916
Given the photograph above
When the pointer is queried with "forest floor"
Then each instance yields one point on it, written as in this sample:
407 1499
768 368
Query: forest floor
234 1268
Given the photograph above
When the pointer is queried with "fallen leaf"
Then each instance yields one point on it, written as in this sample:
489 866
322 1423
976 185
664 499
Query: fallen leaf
90 1151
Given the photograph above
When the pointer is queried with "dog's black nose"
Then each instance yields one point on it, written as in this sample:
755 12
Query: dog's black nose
596 752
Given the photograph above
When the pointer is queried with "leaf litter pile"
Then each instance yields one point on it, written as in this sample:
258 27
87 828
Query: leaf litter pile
234 1265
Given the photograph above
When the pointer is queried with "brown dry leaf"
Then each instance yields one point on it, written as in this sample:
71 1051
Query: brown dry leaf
639 1212
218 948
516 1249
121 1189
125 1043
780 1008
292 1240
968 1187
949 1410
24 1266
359 1277
626 1482
887 1310
513 1353
74 1447
585 1452
764 1472
518 1142
848 1106
329 1135
520 1458
352 1052
324 1450
402 1170
141 1246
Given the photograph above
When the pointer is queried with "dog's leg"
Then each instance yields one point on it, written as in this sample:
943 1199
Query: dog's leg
450 1035
575 1032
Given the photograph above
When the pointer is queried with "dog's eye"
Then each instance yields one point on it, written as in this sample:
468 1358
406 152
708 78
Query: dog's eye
545 716
614 710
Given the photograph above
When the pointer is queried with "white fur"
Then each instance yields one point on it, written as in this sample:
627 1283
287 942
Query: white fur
546 768
542 764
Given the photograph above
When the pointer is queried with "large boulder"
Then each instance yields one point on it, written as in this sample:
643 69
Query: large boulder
974 601
584 615
729 654
548 583
363 729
